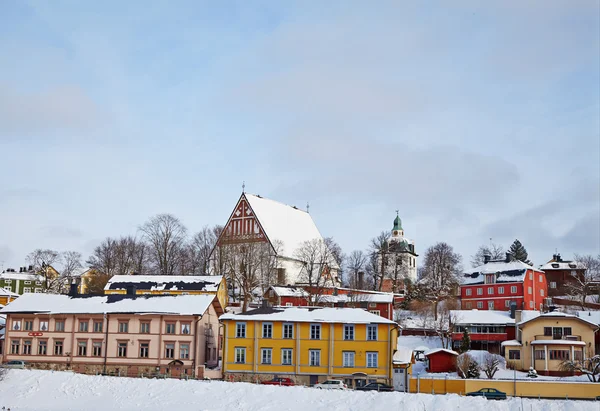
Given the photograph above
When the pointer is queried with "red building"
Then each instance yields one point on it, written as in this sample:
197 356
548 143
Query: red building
495 284
560 274
298 296
487 329
441 360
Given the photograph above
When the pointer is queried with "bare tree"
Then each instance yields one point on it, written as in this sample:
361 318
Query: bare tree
467 367
490 365
355 263
202 243
441 270
581 285
380 250
166 236
589 366
443 323
104 258
337 255
43 262
96 282
494 251
122 256
316 258
71 266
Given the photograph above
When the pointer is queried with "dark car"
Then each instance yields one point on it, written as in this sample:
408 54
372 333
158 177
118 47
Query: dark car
489 393
279 381
375 386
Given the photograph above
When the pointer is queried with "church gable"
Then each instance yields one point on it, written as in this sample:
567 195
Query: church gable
243 226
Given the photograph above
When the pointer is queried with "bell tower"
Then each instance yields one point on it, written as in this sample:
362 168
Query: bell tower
397 231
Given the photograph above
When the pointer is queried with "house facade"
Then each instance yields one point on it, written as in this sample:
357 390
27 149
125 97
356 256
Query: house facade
6 296
21 282
309 345
546 341
495 284
560 274
169 285
116 334
487 329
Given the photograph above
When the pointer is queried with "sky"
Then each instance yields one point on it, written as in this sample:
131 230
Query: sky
475 120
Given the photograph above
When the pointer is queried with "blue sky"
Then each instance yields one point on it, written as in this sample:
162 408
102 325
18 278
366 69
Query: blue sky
475 121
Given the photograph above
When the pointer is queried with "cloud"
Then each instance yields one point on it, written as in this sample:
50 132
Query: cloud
6 254
60 231
58 109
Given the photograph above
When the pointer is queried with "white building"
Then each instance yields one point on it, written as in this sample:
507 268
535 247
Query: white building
400 258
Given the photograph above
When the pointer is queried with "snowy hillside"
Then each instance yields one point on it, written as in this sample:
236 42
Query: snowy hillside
26 390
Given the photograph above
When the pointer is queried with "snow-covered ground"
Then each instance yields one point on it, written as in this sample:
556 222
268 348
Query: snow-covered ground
29 390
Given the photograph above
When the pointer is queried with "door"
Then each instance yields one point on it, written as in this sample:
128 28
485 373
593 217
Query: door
314 379
557 333
399 379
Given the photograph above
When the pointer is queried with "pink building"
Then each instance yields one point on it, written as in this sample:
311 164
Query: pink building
116 334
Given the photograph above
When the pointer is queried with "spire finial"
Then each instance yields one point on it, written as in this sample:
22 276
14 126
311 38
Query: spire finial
397 213
243 187
307 207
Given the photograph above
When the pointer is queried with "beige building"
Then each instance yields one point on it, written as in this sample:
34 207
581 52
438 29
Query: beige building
546 341
118 334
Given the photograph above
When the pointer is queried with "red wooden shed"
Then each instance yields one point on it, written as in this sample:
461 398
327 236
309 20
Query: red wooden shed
441 360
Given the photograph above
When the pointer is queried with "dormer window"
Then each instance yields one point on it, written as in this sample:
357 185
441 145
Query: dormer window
490 278
555 265
572 265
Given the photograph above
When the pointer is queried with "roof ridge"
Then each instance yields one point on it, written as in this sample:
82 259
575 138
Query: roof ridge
278 202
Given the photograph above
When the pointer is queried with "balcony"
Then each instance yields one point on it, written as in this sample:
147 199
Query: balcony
558 337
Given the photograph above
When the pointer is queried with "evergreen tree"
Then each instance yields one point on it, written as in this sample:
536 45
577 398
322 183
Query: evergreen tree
519 252
465 344
473 369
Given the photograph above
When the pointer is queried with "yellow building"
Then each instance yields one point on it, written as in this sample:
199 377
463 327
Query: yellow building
546 341
169 285
309 345
6 296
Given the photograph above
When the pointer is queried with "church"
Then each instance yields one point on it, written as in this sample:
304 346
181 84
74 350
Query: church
397 259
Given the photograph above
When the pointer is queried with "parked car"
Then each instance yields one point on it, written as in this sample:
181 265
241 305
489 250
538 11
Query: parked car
375 386
489 393
14 364
279 381
331 385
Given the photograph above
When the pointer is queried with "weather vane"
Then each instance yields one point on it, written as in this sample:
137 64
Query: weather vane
243 187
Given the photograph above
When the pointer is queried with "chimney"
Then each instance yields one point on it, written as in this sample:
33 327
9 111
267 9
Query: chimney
335 291
509 257
518 316
131 289
513 309
264 303
558 258
73 289
30 268
281 276
361 280
486 258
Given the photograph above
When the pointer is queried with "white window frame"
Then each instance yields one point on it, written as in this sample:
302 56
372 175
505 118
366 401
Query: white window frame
348 358
26 290
479 304
542 292
541 280
240 327
315 327
552 284
240 352
289 304
266 356
290 327
376 312
513 289
312 356
468 291
349 332
531 275
490 305
267 330
531 304
372 359
490 290
287 354
372 329
479 291
507 303
500 290
529 290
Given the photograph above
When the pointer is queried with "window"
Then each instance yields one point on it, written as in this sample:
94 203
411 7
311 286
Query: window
16 325
289 304
97 326
43 347
38 290
479 304
372 360
542 292
529 290
240 355
145 328
123 326
376 312
288 331
552 284
26 290
315 331
97 349
83 326
540 355
500 290
59 325
514 355
122 349
27 347
567 331
348 332
170 328
541 280
547 331
490 290
58 347
468 291
372 332
531 276
348 358
372 305
185 328
144 349
507 303
82 348
286 356
43 325
28 325
7 281
14 346
314 357
184 351
480 291
578 356
559 354
490 305
27 282
266 355
240 330
468 305
513 289
267 330
169 350
530 304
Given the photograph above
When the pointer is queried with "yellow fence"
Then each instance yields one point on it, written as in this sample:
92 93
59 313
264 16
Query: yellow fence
533 389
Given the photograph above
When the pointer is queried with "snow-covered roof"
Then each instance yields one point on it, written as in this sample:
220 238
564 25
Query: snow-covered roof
371 298
563 265
473 317
309 314
558 314
506 271
528 315
21 276
591 316
289 291
403 355
285 223
7 293
208 283
440 350
511 343
141 304
557 342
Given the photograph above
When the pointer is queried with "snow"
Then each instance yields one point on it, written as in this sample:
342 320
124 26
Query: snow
285 223
420 343
33 390
290 291
160 282
511 343
310 314
440 350
7 293
516 268
591 316
558 342
558 314
371 298
63 304
474 317
21 276
563 265
403 355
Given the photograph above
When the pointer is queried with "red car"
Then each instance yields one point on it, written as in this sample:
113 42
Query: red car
279 381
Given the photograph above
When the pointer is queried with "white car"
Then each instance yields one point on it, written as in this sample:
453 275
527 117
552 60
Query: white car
331 385
14 364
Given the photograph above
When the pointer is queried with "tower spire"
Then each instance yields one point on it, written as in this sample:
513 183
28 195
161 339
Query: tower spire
243 187
307 207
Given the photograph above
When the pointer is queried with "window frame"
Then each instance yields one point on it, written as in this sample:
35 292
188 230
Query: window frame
123 326
185 326
121 349
170 325
371 327
169 349
267 330
314 354
98 326
315 332
287 327
348 359
42 343
285 351
239 353
82 348
349 332
184 351
59 344
145 327
266 356
96 348
369 359
144 348
240 326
